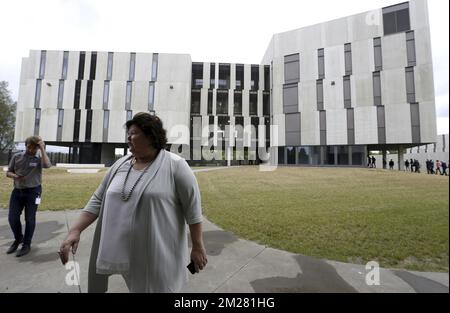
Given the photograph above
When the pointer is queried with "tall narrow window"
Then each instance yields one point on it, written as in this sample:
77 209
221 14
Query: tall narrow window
210 102
60 124
195 101
105 125
350 127
348 58
37 94
132 66
129 115
381 125
88 125
290 98
415 123
89 95
321 63
319 93
292 68
37 121
222 102
76 126
76 98
65 65
376 88
42 64
110 66
197 75
105 95
239 76
128 95
237 103
60 94
212 76
378 59
347 93
151 96
155 67
224 76
81 64
293 127
410 89
93 65
253 103
266 103
254 77
323 127
267 78
411 48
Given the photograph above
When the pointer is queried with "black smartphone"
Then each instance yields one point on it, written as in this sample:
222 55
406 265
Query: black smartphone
191 267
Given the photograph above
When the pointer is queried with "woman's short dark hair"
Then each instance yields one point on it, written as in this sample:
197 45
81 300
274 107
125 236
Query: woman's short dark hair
152 127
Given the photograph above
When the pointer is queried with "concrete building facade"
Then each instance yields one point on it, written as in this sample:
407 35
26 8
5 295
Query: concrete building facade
326 94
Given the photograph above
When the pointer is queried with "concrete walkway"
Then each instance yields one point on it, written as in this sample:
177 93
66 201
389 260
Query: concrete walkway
235 265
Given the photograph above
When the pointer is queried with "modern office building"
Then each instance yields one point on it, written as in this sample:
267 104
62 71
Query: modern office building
326 94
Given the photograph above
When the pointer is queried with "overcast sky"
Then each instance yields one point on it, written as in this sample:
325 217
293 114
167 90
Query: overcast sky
235 31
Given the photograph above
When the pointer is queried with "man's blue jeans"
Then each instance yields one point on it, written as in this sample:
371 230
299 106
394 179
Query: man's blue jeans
20 199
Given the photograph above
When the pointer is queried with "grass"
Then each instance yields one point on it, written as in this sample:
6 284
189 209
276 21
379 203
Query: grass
399 219
352 215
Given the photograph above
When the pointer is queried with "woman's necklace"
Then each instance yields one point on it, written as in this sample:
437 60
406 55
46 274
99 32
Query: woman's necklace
124 196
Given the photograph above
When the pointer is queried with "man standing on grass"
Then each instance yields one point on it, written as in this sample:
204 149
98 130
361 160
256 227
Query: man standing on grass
26 170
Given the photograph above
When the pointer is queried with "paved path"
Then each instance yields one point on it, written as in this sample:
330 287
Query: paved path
235 265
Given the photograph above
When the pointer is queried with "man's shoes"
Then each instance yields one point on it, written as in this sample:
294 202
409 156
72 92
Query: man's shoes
14 246
24 250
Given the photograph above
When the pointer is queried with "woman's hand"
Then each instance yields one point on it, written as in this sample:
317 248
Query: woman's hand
198 256
71 241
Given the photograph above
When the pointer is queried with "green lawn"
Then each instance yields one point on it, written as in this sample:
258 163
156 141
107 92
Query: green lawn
399 219
352 215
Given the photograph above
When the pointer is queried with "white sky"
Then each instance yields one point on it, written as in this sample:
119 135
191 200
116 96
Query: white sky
235 31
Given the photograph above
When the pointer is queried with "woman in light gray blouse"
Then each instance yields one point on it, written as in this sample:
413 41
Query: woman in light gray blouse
143 205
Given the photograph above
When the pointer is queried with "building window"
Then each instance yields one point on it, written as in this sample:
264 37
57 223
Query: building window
132 65
291 68
128 95
281 155
65 64
266 78
195 101
222 102
151 96
381 125
224 76
410 89
321 63
290 98
290 155
293 127
197 75
266 103
378 59
93 65
60 124
210 102
212 76
110 66
237 102
42 64
376 88
348 58
105 125
105 95
415 123
254 77
239 76
60 94
76 101
37 94
37 121
319 93
154 67
350 127
323 127
81 65
89 95
343 155
129 115
396 18
411 48
76 125
347 93
253 103
88 125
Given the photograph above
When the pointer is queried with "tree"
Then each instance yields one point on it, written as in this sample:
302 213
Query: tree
7 118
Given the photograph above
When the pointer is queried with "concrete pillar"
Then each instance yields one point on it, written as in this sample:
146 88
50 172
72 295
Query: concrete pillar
384 157
400 160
